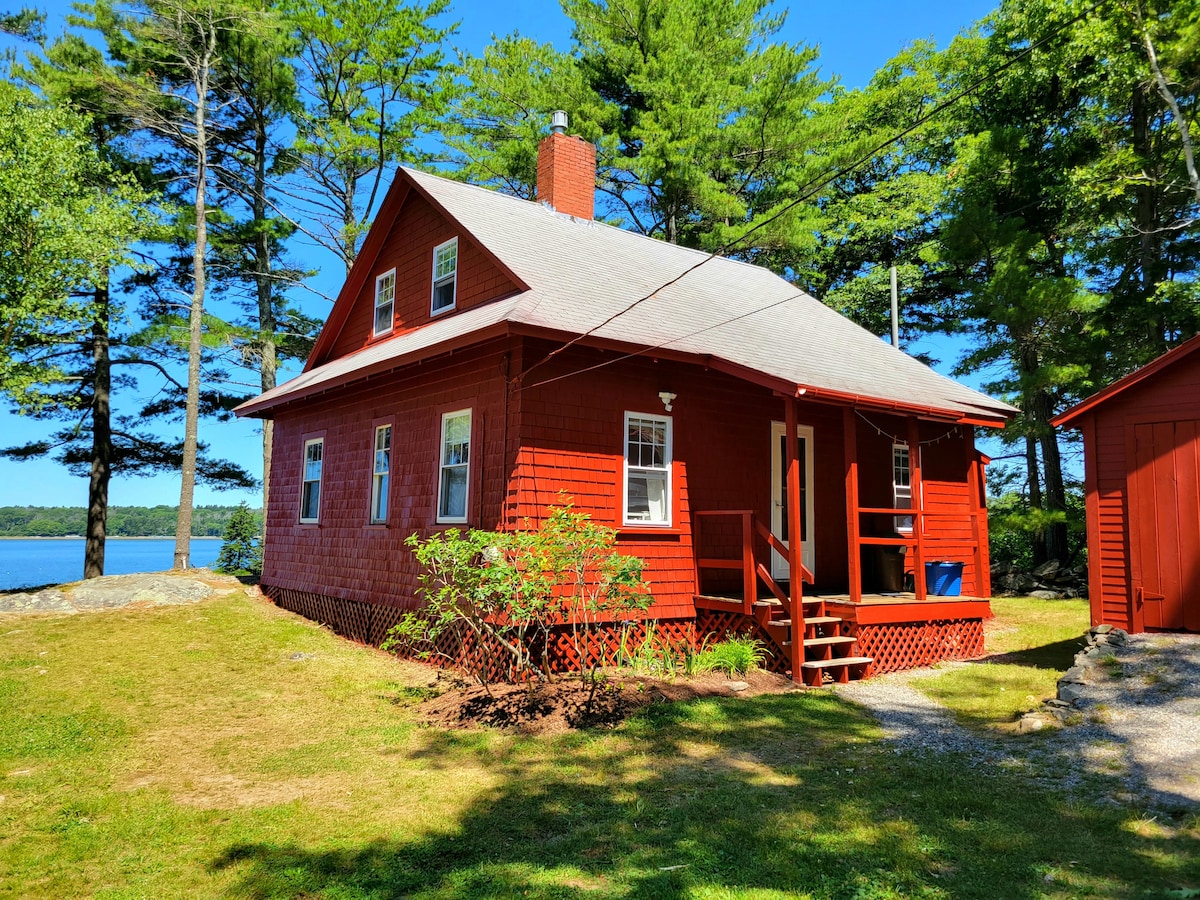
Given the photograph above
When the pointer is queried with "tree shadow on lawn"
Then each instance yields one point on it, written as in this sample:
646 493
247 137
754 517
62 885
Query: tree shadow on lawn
790 794
1059 655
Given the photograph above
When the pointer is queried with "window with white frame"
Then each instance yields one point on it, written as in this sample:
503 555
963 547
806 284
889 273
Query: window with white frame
647 470
455 465
445 276
310 490
385 302
901 486
381 467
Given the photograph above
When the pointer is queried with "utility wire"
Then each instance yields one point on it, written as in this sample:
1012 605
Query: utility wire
806 192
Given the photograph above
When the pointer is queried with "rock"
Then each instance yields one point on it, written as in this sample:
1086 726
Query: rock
1055 703
1036 721
1046 595
48 601
1072 693
112 591
1077 674
737 686
1100 629
1118 637
1047 569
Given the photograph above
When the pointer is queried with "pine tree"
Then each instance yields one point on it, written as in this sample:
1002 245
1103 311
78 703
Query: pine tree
241 551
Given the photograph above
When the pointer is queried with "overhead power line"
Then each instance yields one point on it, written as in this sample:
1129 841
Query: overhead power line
806 193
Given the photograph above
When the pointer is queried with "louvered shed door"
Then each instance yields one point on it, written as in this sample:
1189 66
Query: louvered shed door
1165 523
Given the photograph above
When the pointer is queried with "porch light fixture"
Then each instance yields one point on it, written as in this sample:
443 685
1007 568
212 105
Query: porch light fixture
667 398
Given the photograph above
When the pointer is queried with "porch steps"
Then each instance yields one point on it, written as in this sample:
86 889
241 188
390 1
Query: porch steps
829 653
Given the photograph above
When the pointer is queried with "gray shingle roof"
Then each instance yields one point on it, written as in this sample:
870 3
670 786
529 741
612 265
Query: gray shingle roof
582 273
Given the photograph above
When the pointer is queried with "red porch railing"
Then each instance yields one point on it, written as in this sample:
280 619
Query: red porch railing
751 567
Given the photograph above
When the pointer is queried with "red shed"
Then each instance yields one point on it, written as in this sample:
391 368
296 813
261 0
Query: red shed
487 352
1141 447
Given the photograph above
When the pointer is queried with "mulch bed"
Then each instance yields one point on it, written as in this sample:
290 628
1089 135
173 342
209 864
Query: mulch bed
561 705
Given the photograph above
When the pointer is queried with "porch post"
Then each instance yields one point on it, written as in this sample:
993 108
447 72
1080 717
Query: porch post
918 506
853 554
983 575
791 444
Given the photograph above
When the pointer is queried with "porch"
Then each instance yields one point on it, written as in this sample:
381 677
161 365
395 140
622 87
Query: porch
750 579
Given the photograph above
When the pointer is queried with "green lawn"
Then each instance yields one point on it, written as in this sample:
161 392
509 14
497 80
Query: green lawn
1033 641
183 752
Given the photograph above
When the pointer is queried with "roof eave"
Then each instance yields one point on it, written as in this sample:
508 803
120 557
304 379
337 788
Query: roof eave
261 409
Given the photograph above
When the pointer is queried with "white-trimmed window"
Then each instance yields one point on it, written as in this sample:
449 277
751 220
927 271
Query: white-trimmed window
381 467
310 489
902 486
385 302
445 276
647 470
455 466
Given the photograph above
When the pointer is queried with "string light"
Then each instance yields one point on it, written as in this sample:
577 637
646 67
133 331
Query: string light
898 440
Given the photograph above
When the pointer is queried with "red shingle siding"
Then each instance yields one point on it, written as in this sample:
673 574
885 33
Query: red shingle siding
409 250
343 556
566 175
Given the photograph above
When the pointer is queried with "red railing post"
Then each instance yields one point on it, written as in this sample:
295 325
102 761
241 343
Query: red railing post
795 536
749 579
853 544
918 506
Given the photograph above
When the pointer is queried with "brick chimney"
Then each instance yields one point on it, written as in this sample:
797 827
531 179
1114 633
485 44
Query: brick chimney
566 171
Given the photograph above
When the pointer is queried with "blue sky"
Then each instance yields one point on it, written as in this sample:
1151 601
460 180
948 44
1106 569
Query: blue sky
854 37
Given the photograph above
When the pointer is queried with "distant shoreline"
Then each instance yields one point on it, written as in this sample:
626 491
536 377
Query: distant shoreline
80 537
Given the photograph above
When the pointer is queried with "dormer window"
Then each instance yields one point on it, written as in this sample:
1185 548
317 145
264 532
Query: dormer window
445 276
385 302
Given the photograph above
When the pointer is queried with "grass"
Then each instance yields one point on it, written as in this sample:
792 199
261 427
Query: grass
1034 642
184 752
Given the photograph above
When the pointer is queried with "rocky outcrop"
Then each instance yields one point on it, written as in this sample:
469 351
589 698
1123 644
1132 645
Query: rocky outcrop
119 592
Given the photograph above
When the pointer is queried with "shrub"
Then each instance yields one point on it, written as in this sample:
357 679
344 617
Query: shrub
508 589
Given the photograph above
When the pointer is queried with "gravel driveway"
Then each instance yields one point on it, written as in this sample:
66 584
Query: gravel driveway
1139 737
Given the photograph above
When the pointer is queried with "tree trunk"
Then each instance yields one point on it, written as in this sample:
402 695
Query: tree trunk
1054 498
97 514
266 304
349 221
1033 471
1145 198
183 526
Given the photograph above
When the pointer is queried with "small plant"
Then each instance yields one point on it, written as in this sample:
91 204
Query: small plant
736 655
241 553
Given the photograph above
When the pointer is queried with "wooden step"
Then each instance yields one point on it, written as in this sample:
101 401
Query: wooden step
821 620
814 670
834 663
830 641
769 601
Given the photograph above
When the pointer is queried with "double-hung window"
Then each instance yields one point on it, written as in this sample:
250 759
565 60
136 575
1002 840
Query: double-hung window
445 276
310 491
454 467
381 467
385 302
647 470
901 486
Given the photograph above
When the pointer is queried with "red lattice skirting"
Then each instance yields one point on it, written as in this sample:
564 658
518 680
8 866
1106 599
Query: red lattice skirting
715 625
907 645
369 623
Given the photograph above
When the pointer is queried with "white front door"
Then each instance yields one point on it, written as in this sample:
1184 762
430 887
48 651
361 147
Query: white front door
779 520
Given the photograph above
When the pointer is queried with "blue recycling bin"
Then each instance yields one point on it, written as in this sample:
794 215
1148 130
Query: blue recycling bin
944 579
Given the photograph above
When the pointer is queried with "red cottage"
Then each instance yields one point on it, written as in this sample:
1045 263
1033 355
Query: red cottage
1141 450
487 353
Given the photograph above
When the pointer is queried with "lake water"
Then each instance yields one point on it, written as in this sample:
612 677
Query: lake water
24 562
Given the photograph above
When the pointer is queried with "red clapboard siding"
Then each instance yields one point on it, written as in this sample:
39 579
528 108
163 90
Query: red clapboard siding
408 249
1141 447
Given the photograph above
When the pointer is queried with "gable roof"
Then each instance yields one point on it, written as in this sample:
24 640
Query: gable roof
1170 358
581 277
